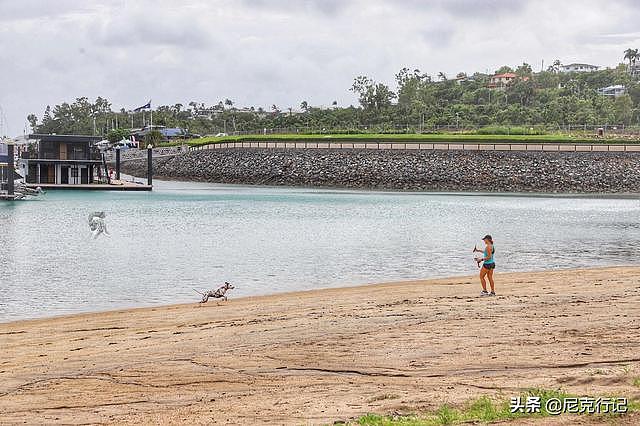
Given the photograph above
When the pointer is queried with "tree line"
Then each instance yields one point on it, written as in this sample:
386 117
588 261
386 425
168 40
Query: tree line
416 101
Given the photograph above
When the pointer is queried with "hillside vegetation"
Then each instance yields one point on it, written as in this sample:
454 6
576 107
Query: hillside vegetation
539 102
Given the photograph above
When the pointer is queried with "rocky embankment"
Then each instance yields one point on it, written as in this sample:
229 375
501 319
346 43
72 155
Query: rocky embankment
499 171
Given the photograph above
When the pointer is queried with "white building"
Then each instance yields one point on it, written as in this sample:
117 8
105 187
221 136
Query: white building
579 68
615 91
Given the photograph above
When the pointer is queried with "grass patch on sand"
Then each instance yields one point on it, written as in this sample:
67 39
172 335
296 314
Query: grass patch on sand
636 382
481 410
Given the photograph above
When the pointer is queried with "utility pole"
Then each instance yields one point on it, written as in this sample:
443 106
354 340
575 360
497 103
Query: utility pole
117 163
150 165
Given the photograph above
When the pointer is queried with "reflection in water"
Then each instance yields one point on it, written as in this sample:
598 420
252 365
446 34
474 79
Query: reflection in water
266 240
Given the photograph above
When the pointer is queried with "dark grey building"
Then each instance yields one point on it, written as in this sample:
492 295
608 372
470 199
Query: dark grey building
62 160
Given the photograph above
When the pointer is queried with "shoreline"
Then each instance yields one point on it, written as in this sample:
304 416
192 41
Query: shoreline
317 356
258 298
294 293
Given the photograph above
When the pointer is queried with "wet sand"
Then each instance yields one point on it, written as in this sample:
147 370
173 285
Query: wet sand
320 356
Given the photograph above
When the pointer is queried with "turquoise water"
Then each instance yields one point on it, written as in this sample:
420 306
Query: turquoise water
268 240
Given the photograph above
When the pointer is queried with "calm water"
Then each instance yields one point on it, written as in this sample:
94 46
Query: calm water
268 240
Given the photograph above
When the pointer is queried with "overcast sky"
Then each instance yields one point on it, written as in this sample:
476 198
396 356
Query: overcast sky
261 52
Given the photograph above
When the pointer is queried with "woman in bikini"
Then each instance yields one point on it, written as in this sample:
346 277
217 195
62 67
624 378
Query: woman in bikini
488 265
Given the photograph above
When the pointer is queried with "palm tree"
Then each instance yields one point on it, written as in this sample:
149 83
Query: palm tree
632 55
305 106
629 54
442 76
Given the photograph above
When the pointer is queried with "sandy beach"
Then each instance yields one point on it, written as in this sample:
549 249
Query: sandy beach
320 356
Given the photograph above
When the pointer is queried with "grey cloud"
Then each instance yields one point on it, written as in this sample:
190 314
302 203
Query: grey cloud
11 10
260 52
438 36
484 8
151 33
608 39
325 7
150 28
465 8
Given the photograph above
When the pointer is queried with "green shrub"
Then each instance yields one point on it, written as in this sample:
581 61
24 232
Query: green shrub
483 410
116 135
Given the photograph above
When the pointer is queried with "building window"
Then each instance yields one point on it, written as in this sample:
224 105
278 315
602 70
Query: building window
74 172
78 153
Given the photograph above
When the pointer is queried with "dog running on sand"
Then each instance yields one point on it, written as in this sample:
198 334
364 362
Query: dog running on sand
220 293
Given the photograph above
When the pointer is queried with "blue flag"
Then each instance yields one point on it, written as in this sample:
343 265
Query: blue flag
146 106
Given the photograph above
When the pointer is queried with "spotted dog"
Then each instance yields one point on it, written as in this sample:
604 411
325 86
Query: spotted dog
220 293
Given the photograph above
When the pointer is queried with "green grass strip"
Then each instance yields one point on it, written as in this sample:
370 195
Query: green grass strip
405 138
481 410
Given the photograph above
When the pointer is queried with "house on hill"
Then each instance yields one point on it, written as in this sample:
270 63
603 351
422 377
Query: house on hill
501 81
575 67
207 113
614 91
167 133
463 78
